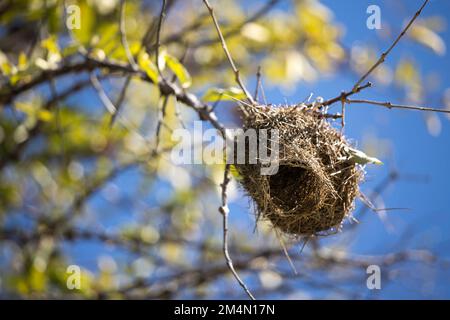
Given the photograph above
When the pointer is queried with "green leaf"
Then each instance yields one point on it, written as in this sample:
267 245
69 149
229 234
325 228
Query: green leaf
23 61
51 45
230 94
87 24
53 54
6 67
148 66
70 49
179 70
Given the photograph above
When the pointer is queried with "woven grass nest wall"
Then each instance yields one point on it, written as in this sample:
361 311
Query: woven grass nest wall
315 186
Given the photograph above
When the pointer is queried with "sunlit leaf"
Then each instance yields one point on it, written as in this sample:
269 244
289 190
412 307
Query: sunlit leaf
25 107
433 123
22 61
70 50
179 70
255 32
406 73
148 66
428 38
6 67
217 94
53 55
51 45
45 115
42 64
87 22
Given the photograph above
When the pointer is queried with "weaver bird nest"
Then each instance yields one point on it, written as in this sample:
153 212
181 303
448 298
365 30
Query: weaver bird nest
316 183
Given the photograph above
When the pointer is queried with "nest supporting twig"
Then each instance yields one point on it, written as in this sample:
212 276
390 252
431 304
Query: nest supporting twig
315 186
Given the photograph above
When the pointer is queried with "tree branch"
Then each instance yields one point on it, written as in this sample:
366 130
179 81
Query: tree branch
386 53
224 210
390 105
123 36
227 53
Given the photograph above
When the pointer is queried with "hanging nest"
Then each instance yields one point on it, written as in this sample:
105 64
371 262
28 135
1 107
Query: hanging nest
315 186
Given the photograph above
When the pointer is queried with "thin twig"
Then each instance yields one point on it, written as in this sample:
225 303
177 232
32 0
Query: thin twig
227 53
120 99
123 36
158 35
174 78
109 106
130 58
178 115
262 92
216 103
150 32
224 210
342 112
382 186
346 95
91 63
177 37
285 251
390 105
161 117
386 53
163 108
54 93
258 82
238 28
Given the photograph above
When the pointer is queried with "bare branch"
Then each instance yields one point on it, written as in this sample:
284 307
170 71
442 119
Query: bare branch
123 36
163 108
161 117
111 108
227 53
54 93
237 29
102 94
346 95
151 30
158 34
258 83
224 210
397 106
178 37
386 53
342 111
120 99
